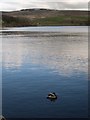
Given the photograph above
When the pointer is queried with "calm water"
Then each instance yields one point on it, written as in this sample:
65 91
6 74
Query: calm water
38 62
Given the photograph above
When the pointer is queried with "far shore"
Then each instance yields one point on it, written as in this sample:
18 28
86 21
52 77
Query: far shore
30 17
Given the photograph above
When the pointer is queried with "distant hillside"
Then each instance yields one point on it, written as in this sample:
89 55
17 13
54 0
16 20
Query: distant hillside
44 17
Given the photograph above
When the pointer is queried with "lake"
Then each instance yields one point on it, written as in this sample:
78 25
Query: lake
39 60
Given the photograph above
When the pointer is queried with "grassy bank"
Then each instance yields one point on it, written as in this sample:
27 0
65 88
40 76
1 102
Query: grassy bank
44 18
62 20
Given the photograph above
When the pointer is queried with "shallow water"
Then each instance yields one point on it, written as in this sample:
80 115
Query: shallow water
34 65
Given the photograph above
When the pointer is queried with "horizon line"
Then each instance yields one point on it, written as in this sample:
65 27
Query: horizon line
44 9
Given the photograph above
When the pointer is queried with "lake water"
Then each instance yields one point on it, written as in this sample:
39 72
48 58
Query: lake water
39 60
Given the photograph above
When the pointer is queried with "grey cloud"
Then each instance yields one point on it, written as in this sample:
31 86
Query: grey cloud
76 6
50 5
64 5
57 5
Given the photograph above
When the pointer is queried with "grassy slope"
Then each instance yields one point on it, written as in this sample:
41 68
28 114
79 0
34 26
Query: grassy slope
63 20
44 18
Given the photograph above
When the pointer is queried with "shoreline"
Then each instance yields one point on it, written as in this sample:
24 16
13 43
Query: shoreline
43 34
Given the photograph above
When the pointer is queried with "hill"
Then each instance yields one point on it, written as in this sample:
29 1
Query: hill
44 17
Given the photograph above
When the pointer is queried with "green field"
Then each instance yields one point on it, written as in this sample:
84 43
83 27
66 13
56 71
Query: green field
44 18
62 20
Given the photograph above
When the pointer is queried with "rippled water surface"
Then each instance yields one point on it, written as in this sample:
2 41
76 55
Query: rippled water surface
38 62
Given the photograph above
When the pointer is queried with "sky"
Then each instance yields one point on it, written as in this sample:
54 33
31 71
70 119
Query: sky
12 5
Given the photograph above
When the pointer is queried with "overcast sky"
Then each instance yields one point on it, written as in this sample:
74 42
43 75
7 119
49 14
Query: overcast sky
10 5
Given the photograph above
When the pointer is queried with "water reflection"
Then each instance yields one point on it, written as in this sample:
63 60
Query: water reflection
0 76
34 66
63 54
